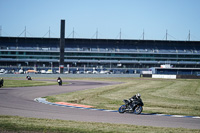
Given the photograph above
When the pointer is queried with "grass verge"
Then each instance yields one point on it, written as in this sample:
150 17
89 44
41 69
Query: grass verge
26 83
177 97
15 124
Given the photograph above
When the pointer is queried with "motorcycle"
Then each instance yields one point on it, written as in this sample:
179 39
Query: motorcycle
28 78
131 106
60 82
1 82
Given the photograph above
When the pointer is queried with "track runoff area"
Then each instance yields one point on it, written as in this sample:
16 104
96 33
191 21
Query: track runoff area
79 106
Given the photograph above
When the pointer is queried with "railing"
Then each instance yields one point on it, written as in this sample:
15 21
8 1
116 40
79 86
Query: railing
103 49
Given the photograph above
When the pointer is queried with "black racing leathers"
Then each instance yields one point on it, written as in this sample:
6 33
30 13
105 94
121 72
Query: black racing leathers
133 101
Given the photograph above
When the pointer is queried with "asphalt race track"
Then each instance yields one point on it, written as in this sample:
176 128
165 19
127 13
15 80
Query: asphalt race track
20 102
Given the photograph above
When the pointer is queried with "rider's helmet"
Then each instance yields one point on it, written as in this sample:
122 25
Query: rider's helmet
138 95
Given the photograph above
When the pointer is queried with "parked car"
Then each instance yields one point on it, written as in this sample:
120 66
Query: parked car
49 71
95 72
104 72
79 72
66 72
31 71
2 71
88 72
43 71
21 71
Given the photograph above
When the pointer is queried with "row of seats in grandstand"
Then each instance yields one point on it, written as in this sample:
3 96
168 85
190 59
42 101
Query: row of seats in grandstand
108 44
134 50
106 49
115 61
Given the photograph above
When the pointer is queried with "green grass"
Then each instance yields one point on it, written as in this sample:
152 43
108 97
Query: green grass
178 97
159 96
26 83
15 124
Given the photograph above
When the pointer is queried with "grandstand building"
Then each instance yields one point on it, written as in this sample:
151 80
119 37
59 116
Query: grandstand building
98 53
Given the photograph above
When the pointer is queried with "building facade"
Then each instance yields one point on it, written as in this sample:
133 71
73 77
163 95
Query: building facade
98 53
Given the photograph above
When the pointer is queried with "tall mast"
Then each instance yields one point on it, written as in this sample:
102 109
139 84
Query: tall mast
120 34
143 35
97 34
49 32
25 32
189 36
166 34
73 32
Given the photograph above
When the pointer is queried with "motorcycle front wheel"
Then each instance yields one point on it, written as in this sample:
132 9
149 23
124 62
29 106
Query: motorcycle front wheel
122 109
138 109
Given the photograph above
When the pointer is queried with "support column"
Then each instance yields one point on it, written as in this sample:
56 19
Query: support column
62 46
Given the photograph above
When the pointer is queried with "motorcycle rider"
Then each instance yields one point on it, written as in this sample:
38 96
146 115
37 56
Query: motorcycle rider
28 77
134 100
136 97
59 80
1 82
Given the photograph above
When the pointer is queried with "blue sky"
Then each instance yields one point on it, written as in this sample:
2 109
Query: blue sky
108 16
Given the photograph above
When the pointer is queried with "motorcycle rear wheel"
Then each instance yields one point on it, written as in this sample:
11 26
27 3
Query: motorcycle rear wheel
122 109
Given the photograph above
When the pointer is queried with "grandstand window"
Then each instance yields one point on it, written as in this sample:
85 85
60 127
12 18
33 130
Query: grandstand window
12 52
4 52
12 57
112 54
55 54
